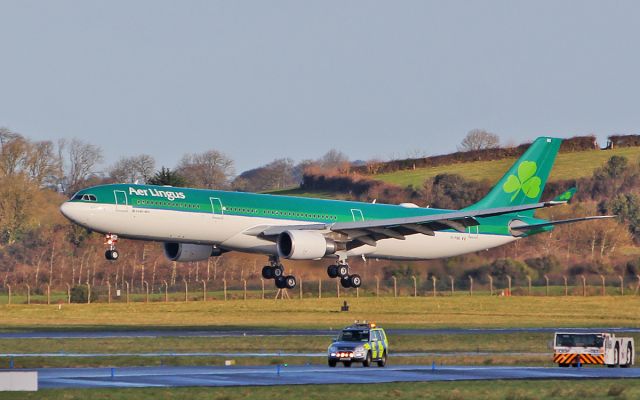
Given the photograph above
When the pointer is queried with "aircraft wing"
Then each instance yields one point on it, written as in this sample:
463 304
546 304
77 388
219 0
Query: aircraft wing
368 232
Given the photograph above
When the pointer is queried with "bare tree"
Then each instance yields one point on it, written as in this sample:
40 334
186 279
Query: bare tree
278 174
132 169
335 160
83 158
211 169
13 152
478 139
43 164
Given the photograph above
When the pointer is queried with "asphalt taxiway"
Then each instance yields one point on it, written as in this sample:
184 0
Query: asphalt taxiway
299 375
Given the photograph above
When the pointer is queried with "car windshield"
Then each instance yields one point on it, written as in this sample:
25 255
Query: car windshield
579 340
354 336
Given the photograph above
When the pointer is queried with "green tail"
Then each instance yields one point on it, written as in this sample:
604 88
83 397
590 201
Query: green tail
525 180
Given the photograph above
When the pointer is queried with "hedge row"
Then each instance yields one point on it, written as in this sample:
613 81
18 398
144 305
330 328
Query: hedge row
624 141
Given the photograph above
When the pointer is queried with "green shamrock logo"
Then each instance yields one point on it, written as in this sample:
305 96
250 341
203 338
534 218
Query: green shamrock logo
526 181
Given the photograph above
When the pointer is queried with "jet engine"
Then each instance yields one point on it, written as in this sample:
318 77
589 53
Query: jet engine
189 252
304 245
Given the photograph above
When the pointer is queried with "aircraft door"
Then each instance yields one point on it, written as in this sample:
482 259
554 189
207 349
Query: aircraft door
121 200
473 231
357 215
216 207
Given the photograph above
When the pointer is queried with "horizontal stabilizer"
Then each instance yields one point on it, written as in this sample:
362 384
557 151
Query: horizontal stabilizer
530 227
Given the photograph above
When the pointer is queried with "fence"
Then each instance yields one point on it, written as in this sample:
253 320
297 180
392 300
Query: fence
324 288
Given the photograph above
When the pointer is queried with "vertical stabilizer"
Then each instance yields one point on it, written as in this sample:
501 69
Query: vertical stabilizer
525 180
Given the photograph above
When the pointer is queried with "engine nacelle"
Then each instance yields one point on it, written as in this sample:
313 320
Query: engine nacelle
304 245
188 252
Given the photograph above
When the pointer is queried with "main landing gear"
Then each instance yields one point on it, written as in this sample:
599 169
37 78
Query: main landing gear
275 271
111 253
341 270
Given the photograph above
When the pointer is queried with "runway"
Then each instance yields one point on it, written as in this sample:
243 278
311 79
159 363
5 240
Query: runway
264 354
155 333
299 375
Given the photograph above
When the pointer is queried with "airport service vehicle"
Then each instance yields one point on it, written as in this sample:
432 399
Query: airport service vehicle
195 224
361 342
571 348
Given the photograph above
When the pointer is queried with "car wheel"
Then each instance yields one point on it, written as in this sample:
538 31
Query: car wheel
347 364
383 360
367 360
332 363
629 359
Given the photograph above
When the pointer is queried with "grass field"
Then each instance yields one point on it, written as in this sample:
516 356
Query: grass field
490 390
456 311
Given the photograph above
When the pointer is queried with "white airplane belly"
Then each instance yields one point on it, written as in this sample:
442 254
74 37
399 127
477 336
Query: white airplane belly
443 244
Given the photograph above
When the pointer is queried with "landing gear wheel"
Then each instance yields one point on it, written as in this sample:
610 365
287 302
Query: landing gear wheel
383 361
347 364
332 363
343 270
290 282
278 271
367 361
345 282
355 281
267 272
111 255
281 282
332 271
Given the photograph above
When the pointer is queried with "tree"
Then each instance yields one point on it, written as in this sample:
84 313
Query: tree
83 158
278 174
479 139
133 169
211 169
452 191
167 177
627 208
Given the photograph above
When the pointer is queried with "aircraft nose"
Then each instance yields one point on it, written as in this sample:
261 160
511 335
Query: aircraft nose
71 211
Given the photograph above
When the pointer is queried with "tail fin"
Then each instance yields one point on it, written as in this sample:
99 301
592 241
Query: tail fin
525 180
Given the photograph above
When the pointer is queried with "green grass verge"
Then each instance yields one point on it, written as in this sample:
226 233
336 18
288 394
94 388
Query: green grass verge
489 390
406 312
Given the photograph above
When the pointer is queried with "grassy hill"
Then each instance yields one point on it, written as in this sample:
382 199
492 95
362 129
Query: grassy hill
567 166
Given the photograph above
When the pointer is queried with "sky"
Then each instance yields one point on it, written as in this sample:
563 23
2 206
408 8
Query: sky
260 80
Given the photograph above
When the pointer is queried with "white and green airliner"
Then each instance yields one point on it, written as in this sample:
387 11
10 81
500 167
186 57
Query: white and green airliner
195 224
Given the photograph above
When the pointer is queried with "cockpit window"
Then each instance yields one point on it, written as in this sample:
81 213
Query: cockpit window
84 197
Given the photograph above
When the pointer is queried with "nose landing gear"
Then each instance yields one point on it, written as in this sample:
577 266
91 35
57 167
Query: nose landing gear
341 270
275 271
111 253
